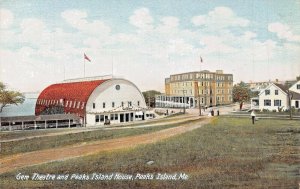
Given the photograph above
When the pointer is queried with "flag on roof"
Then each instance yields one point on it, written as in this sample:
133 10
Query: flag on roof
87 58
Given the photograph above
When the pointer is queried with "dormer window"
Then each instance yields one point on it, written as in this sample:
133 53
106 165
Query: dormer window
267 92
298 86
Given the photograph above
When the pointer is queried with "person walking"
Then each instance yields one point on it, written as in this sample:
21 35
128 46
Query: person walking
253 116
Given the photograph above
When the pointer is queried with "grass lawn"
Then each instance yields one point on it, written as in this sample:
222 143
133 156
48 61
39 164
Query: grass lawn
228 153
46 142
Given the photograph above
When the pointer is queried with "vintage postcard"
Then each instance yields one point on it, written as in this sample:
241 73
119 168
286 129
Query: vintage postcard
149 94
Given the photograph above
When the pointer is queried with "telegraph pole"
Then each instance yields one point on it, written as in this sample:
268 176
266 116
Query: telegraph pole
290 96
183 101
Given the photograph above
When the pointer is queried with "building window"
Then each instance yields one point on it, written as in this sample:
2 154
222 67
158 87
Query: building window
101 118
298 86
74 105
267 102
138 103
116 117
117 87
70 105
276 92
267 92
82 105
113 104
97 118
129 104
78 105
112 116
277 102
103 105
122 104
94 105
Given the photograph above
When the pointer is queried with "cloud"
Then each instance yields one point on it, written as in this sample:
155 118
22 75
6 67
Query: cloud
283 31
170 21
78 20
157 41
213 44
179 46
249 35
141 19
220 17
6 18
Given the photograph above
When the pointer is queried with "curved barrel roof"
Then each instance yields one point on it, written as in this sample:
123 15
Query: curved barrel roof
71 96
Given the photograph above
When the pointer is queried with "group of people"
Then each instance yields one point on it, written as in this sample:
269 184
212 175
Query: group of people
212 112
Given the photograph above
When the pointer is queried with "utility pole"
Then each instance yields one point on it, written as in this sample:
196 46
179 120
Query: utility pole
199 104
183 101
290 96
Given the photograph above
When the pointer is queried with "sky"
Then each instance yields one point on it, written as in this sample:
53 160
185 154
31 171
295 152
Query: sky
43 41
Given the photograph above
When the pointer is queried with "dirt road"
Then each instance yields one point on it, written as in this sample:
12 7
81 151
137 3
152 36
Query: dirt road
17 161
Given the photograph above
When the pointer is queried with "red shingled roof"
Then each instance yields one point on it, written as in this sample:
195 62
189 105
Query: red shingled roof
76 92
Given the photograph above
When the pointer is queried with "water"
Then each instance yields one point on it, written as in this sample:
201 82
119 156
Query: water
25 109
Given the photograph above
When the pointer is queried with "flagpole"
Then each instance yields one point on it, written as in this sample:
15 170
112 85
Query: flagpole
112 66
64 71
200 61
83 67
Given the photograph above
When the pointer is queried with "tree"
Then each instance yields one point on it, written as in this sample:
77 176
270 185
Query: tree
8 97
150 97
241 93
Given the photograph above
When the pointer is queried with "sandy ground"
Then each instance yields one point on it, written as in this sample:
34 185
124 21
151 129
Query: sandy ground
10 163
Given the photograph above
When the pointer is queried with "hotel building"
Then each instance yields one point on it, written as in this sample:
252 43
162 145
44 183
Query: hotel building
185 89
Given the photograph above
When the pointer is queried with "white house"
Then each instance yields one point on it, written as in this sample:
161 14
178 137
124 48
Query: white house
295 95
276 96
273 97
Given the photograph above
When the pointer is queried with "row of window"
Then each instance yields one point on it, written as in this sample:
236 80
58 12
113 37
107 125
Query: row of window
187 99
67 104
198 75
267 102
207 91
100 118
206 83
181 84
268 92
129 103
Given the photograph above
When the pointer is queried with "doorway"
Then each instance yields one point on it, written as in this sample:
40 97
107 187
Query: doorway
127 117
121 118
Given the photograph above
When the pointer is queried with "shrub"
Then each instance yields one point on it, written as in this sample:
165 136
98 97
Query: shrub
265 110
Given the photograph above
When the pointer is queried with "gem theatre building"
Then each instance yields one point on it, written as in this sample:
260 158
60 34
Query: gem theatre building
95 100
